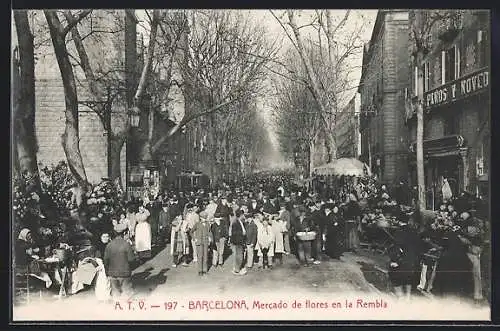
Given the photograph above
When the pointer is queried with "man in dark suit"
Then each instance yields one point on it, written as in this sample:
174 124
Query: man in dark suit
182 200
253 206
294 216
164 224
269 206
302 224
223 211
118 259
237 238
251 239
318 224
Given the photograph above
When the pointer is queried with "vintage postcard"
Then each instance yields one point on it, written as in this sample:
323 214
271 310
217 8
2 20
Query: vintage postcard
250 165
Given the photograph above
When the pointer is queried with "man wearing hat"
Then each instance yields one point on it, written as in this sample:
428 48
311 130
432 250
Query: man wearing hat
202 239
251 239
118 257
237 238
318 220
302 224
284 215
164 223
223 212
334 231
182 200
253 206
472 235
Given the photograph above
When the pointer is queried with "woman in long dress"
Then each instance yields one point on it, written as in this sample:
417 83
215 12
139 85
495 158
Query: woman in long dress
143 234
352 214
278 227
334 234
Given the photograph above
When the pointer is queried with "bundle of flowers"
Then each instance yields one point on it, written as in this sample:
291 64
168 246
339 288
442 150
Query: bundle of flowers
105 199
26 202
443 221
56 182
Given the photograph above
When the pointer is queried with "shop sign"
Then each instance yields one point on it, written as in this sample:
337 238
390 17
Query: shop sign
461 88
449 142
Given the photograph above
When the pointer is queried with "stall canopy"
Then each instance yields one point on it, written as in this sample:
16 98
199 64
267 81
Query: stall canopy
344 167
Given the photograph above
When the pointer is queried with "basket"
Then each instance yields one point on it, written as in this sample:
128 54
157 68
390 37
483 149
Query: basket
306 236
381 223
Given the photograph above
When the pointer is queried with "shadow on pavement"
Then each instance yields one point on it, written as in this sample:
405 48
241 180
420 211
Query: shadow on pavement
375 276
145 282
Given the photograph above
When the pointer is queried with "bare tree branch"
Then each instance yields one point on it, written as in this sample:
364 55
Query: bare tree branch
151 48
75 20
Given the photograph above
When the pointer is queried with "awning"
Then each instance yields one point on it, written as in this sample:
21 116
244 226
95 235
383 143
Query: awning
442 152
448 142
445 153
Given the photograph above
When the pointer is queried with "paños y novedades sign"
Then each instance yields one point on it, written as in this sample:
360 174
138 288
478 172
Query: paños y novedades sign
463 87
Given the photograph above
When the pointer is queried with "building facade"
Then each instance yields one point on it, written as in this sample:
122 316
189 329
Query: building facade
347 133
119 54
384 78
456 81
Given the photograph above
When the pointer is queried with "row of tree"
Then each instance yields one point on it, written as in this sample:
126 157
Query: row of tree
315 81
316 76
215 59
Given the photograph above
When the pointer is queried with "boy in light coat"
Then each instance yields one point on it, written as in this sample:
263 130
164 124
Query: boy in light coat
265 241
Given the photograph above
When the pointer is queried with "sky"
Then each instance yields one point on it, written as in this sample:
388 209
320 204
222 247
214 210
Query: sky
363 19
275 30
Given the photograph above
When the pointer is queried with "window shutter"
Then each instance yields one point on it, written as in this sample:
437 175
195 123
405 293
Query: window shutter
457 61
426 76
415 87
481 48
443 67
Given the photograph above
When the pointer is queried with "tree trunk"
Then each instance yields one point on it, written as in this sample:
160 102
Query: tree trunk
332 147
420 158
147 148
311 158
313 81
24 99
420 136
117 142
70 137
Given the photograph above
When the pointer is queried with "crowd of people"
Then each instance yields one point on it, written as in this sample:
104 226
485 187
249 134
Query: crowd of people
264 219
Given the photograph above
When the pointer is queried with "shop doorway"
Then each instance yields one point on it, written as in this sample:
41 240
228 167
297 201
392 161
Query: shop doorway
447 168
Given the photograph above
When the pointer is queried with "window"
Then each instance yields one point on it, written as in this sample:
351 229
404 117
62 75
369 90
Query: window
451 123
427 77
406 93
443 67
415 83
451 64
482 49
457 61
373 106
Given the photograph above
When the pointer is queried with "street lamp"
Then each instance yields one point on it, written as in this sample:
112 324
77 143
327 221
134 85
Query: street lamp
134 117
